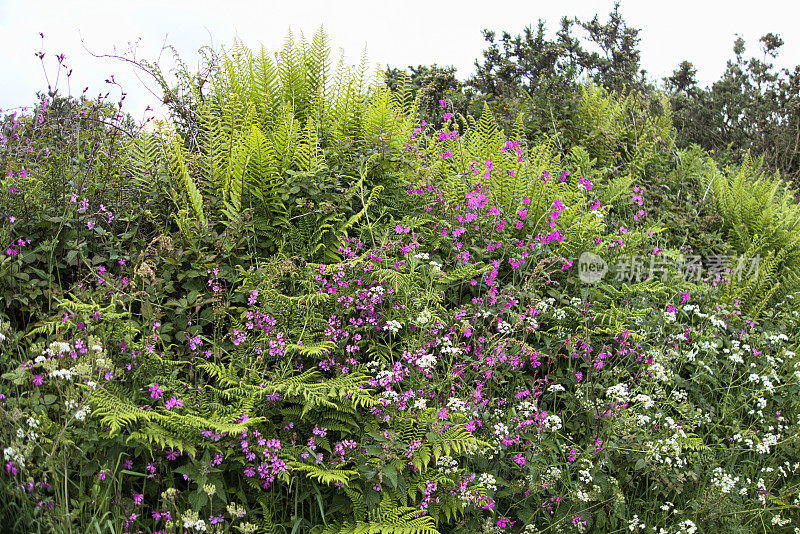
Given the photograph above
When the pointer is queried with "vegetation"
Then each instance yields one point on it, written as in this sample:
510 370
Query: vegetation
319 302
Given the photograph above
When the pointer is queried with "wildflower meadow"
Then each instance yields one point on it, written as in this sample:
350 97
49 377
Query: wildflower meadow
300 305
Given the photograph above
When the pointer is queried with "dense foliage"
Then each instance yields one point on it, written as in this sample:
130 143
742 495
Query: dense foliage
754 107
301 306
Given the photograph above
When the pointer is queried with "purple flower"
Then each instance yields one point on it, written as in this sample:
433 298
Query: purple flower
155 391
173 402
138 498
38 380
195 342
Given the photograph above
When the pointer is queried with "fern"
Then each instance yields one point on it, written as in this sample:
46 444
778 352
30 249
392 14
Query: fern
324 476
180 170
761 217
387 518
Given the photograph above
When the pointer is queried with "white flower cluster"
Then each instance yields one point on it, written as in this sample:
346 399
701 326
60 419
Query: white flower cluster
779 521
709 346
719 323
526 408
735 356
446 465
191 520
390 395
426 361
634 523
500 430
487 481
776 339
454 404
556 387
696 310
585 476
646 400
560 314
659 370
680 395
742 439
725 482
66 374
422 256
81 414
551 423
58 347
618 393
542 306
767 442
504 327
762 491
446 346
420 404
393 326
424 317
9 453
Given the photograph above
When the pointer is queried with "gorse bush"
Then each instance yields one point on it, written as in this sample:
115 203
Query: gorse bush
347 320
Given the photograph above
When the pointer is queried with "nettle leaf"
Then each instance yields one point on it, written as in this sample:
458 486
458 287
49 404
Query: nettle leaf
390 474
198 499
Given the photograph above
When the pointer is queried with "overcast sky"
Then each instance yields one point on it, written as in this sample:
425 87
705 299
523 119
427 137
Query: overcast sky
412 32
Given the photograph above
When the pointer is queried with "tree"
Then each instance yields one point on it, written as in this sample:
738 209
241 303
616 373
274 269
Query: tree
540 77
752 107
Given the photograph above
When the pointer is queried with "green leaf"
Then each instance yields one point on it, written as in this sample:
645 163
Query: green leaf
390 474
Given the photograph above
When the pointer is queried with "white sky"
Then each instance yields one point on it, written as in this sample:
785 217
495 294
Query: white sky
412 32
